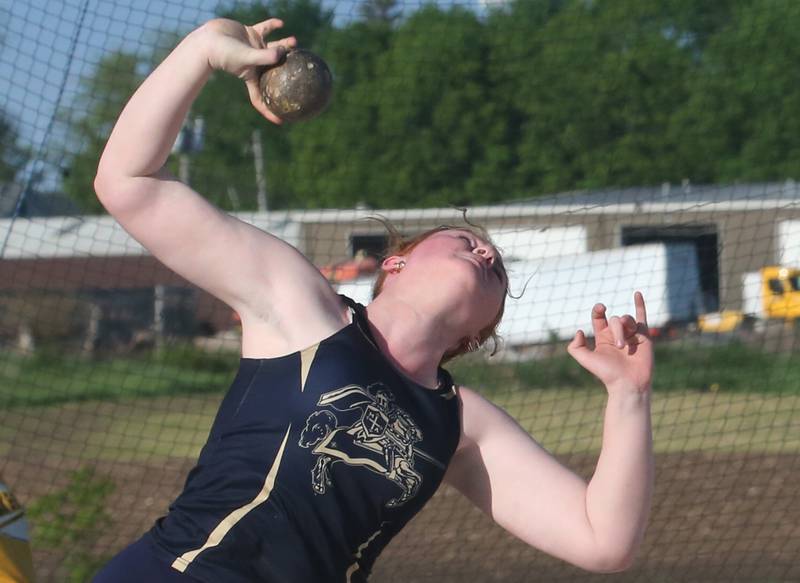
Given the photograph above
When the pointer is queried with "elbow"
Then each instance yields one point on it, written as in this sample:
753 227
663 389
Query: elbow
612 560
613 566
104 186
114 190
100 185
104 181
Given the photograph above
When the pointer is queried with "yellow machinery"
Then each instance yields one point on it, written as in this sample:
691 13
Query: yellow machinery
780 292
773 293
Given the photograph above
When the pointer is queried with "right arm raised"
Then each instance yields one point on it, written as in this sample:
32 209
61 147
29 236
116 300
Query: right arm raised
245 267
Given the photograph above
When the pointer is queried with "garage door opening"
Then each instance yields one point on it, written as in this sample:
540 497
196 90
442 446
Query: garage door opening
705 241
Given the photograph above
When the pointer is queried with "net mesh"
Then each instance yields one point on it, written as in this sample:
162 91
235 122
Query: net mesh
605 146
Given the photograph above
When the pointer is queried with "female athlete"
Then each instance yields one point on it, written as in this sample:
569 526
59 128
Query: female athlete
341 423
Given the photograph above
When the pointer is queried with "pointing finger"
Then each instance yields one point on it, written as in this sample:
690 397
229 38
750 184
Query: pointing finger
599 322
641 310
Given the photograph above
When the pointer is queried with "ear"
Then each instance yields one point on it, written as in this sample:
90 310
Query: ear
390 263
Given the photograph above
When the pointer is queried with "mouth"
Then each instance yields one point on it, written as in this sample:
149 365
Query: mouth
478 263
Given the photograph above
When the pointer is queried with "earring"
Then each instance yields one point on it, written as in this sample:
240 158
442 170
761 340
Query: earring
398 266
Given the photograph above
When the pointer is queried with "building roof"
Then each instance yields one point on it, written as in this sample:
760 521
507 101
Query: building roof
652 199
96 236
684 197
38 234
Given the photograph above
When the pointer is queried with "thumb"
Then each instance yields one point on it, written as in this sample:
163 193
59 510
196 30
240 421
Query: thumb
578 349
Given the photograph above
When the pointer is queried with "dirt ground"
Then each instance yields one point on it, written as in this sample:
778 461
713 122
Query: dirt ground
716 518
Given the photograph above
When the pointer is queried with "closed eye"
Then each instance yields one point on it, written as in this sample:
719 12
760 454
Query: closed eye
468 240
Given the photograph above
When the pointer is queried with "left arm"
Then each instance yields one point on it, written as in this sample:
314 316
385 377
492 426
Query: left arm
597 526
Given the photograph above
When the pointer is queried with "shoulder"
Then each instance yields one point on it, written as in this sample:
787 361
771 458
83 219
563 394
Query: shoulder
479 417
490 445
300 322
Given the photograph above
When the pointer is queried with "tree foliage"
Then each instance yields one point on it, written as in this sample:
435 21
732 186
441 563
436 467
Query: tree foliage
12 155
385 11
102 97
447 106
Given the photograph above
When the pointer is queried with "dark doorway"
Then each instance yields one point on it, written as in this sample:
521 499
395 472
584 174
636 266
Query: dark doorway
705 241
373 245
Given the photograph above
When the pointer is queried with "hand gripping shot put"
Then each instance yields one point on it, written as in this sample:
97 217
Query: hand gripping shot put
299 88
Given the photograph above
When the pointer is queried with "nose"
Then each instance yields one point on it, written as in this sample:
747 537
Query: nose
486 252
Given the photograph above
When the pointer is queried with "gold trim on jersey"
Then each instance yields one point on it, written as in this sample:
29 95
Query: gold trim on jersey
355 566
216 536
306 360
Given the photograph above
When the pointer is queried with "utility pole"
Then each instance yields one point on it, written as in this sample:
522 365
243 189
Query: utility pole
159 299
188 141
261 179
183 167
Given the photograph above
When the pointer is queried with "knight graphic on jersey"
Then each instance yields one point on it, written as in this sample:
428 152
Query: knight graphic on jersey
382 440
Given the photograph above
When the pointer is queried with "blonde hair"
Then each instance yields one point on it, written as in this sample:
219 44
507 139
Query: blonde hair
400 245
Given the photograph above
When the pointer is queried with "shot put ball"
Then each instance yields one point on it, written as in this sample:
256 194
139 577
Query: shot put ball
299 88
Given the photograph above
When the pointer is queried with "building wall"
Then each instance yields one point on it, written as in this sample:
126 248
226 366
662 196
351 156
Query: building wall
747 238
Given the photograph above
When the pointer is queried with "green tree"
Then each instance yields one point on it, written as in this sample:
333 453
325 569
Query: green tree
598 97
743 119
90 118
332 156
224 170
12 155
385 11
513 34
411 127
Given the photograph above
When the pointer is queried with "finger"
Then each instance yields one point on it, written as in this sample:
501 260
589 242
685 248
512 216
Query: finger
615 325
599 322
641 310
254 92
265 57
288 42
267 26
578 349
579 341
629 326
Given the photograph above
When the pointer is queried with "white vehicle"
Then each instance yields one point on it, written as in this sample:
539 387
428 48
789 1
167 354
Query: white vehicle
559 292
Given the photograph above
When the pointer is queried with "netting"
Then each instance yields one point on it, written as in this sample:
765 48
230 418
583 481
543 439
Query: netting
605 146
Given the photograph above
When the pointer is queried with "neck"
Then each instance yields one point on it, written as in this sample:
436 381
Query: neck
413 338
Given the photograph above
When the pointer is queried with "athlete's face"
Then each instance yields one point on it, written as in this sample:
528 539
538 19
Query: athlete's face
463 266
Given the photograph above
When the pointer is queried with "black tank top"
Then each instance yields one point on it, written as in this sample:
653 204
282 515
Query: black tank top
314 462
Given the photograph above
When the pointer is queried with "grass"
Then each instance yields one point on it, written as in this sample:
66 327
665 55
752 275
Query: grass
152 429
732 368
51 378
728 398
